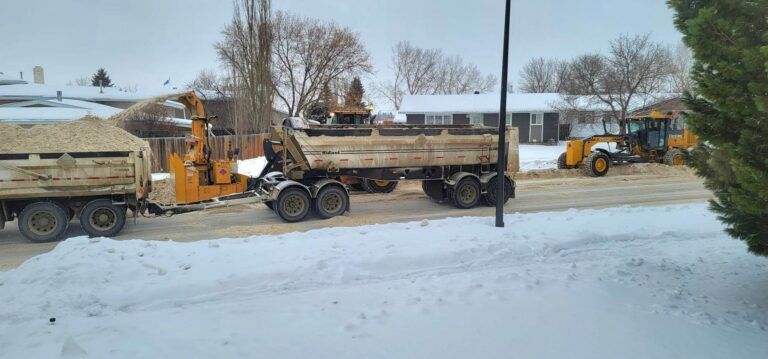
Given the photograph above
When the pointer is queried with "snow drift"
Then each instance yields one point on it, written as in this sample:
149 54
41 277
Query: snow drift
623 282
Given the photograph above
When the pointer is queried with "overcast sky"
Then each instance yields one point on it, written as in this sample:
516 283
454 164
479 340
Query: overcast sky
144 42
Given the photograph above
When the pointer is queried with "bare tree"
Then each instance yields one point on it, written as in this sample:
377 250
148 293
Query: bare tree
680 69
420 71
635 67
454 76
152 121
538 76
307 54
246 51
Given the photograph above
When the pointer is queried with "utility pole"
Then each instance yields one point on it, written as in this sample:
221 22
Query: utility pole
501 166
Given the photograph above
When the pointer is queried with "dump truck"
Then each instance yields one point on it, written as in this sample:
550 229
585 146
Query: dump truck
45 191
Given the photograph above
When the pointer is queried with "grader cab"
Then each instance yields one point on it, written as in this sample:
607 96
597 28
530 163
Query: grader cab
649 138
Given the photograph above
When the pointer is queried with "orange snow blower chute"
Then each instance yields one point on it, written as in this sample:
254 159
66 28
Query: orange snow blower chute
197 177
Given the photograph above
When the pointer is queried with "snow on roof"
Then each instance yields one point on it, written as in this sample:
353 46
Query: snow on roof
482 103
516 102
8 80
88 93
75 109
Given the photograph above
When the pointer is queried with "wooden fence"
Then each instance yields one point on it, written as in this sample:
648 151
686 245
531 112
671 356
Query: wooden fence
250 146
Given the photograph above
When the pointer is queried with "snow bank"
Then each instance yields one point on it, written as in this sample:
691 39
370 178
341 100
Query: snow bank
539 157
251 167
658 282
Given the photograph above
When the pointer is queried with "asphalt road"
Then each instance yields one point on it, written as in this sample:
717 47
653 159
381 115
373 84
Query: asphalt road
407 203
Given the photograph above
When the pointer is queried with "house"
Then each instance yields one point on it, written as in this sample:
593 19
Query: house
536 115
28 104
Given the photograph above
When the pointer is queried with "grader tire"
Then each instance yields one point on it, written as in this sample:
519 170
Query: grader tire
674 157
597 164
376 186
561 162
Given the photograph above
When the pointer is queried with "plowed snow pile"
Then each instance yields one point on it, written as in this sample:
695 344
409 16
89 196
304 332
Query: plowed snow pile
649 282
88 134
621 170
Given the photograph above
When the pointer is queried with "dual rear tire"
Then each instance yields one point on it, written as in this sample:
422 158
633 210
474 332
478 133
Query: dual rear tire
48 221
294 204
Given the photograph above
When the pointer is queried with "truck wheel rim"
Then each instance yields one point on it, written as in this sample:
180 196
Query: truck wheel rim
294 205
468 194
331 202
600 164
103 219
42 223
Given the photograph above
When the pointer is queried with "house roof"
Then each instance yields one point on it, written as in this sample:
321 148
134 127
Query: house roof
516 102
482 103
88 93
674 104
7 80
54 111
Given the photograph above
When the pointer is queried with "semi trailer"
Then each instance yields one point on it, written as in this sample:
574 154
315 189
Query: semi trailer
307 168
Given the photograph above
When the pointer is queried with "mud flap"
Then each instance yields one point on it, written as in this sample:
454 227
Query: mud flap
2 215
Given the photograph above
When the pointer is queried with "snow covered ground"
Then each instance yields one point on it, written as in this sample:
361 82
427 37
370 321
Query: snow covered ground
539 157
661 282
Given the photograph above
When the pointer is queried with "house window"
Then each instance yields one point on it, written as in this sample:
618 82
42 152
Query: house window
508 119
439 119
475 118
537 119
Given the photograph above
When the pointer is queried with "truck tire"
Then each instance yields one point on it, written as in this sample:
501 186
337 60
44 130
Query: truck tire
597 164
491 189
331 201
376 186
466 194
43 221
674 157
101 218
562 164
433 189
292 204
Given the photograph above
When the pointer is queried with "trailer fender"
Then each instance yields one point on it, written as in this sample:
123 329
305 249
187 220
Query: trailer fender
458 176
281 186
317 186
484 179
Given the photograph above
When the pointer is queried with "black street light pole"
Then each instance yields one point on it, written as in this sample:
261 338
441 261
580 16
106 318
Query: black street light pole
501 166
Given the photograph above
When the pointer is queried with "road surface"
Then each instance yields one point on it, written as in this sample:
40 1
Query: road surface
407 203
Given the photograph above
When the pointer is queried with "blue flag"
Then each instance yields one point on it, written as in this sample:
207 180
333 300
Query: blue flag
167 81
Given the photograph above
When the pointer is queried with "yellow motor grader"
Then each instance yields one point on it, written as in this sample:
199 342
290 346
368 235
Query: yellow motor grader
648 138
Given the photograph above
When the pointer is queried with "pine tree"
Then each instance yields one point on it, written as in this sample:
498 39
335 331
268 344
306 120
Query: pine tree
355 93
730 109
100 78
